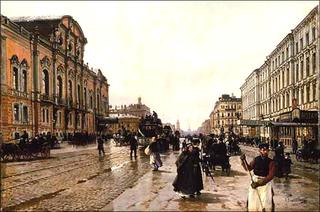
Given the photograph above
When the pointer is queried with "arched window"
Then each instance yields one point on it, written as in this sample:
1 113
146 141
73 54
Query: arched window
297 72
15 78
45 82
85 96
91 101
314 63
307 94
301 70
79 94
60 87
70 89
302 95
288 100
24 81
314 91
98 102
307 66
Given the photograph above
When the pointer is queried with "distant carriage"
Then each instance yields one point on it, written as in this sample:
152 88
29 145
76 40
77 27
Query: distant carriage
12 151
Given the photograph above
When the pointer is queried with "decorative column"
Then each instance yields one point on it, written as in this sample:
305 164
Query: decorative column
36 91
3 75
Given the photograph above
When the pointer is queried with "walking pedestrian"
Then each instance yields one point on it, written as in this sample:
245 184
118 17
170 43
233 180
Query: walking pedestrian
133 145
294 146
100 146
260 196
155 159
188 181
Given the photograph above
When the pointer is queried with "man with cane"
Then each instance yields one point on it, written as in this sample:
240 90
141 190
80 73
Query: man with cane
260 196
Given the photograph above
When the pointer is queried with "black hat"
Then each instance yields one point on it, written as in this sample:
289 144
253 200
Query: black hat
263 145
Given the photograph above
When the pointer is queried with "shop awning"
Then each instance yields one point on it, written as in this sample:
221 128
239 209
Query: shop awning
253 123
292 124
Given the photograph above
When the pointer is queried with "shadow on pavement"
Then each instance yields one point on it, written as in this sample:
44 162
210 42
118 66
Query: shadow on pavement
203 198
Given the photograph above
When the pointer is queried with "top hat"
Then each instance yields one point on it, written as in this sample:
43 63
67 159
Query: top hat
264 146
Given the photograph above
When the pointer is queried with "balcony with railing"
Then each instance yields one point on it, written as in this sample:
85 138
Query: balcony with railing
70 103
18 93
61 101
46 98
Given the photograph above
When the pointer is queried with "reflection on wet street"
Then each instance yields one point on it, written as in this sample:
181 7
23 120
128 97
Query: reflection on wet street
81 180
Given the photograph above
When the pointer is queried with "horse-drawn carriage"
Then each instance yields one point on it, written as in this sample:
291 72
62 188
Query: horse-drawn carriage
150 126
12 151
215 154
210 161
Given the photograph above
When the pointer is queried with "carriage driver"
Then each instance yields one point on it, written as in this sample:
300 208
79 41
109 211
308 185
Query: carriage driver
260 196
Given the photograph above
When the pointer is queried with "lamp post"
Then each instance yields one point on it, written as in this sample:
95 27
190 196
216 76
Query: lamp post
239 125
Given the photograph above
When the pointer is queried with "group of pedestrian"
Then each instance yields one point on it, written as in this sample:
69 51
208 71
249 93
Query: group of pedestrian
189 183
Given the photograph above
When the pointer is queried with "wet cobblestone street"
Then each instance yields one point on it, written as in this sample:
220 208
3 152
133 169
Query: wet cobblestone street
81 180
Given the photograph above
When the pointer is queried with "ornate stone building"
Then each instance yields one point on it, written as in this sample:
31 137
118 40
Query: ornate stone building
289 79
45 85
139 110
250 103
127 122
225 115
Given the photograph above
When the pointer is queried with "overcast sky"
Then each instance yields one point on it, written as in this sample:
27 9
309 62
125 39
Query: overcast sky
178 56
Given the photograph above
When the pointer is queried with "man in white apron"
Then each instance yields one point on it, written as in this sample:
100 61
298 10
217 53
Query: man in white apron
260 197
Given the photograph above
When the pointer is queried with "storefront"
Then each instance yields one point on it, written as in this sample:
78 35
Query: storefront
296 124
254 128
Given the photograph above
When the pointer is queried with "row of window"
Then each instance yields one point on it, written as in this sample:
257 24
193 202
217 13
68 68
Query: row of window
298 76
20 82
228 114
306 95
233 106
227 122
276 62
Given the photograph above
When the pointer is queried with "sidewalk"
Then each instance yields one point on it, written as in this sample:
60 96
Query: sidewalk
305 165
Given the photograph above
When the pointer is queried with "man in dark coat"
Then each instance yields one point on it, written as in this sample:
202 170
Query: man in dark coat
133 145
189 178
100 145
294 146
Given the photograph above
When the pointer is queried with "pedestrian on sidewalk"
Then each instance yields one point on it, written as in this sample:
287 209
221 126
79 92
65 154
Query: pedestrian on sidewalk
188 181
100 146
155 159
133 145
260 196
294 146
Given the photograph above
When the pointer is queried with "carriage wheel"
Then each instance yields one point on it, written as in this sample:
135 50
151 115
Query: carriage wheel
298 157
19 156
47 152
228 169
